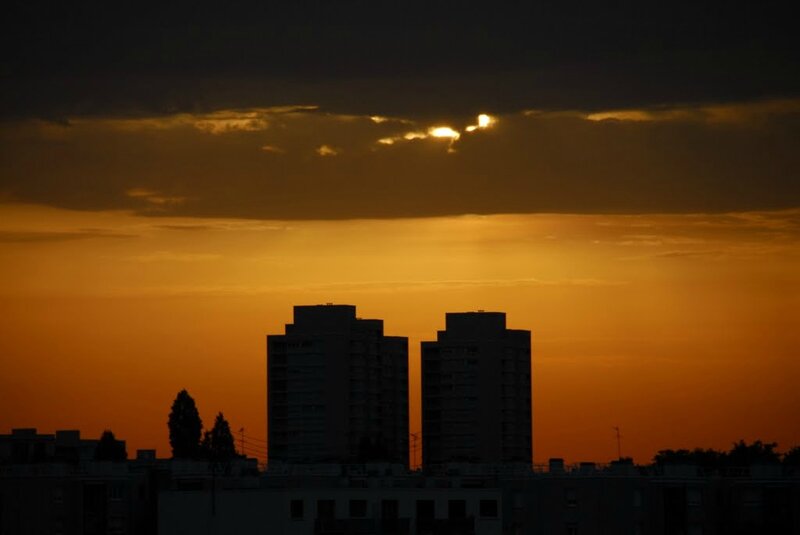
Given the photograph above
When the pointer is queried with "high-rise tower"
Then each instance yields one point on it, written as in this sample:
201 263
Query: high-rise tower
337 389
476 392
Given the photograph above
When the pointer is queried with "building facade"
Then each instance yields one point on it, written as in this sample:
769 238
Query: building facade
470 499
476 392
55 484
337 389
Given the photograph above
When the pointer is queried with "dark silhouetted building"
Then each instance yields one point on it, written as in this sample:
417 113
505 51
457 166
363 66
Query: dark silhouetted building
476 392
584 499
56 484
337 389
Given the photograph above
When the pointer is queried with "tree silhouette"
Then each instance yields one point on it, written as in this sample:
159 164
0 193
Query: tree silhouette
792 457
743 454
709 459
205 445
218 443
109 448
184 427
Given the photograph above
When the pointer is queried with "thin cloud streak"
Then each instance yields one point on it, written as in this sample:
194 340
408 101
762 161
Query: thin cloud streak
372 287
33 237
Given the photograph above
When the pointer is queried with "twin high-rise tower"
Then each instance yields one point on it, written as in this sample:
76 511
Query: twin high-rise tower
476 392
338 390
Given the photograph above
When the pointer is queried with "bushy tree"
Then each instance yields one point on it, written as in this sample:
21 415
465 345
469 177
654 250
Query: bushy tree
184 427
218 443
792 457
699 457
743 454
109 448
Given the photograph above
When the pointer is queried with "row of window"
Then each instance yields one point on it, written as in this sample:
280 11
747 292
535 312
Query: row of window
456 509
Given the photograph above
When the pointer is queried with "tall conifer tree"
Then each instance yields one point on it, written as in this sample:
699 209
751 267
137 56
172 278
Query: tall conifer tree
184 427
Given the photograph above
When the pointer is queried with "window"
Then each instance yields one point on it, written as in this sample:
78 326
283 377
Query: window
296 509
456 509
751 497
637 497
488 508
572 528
571 498
116 526
326 509
694 497
115 491
425 509
390 509
358 508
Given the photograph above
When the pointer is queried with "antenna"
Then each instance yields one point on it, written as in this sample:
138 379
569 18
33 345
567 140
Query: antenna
619 442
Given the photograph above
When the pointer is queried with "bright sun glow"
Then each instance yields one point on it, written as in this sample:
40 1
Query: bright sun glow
484 121
444 131
441 132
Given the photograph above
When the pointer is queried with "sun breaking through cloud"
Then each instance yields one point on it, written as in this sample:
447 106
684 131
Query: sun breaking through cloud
438 132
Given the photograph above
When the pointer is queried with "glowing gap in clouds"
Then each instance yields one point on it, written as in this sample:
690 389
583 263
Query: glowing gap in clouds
327 150
484 121
444 132
440 132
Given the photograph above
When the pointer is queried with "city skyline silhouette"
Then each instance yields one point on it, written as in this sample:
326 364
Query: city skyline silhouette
600 435
340 457
253 444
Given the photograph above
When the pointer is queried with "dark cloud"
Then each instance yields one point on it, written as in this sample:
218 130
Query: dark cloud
716 159
424 59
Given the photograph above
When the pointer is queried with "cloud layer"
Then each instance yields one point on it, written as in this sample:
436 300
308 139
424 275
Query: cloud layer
305 163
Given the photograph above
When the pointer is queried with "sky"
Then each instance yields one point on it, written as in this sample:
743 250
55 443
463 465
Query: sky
620 181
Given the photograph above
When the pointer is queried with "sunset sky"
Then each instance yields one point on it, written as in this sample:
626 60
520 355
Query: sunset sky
623 183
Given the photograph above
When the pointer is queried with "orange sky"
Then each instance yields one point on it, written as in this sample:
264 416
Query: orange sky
623 182
680 329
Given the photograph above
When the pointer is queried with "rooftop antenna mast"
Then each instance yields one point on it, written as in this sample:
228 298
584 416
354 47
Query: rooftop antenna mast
619 442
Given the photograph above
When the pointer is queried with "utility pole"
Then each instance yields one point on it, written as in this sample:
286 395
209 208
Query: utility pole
241 440
619 442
